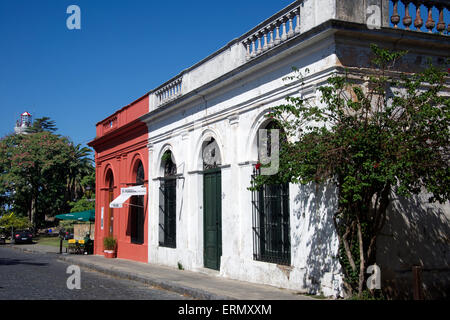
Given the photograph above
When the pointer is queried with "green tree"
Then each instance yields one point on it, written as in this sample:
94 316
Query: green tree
42 124
34 167
84 204
41 173
12 221
372 136
79 170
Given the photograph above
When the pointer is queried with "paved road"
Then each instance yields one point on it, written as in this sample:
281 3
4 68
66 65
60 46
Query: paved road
32 276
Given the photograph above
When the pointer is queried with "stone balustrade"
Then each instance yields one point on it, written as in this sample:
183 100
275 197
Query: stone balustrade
272 33
169 91
292 23
430 7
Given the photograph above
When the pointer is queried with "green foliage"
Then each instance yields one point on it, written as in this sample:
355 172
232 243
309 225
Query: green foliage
81 205
369 295
371 135
68 225
12 220
42 172
166 156
109 243
41 125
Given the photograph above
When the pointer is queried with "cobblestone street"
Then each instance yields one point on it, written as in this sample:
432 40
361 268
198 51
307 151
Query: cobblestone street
33 276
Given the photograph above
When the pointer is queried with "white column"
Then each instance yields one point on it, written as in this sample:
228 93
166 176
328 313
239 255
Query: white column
290 16
297 28
277 33
284 35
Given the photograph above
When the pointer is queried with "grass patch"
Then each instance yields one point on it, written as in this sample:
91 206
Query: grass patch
316 296
50 241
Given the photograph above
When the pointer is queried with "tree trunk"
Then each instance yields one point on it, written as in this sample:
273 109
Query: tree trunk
362 260
33 214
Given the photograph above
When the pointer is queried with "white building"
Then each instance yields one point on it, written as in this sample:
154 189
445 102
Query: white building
23 123
203 140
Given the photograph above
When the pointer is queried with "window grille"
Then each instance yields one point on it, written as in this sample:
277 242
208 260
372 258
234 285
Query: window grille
137 210
168 203
167 212
271 227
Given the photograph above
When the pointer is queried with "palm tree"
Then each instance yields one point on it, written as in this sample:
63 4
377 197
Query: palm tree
42 124
80 167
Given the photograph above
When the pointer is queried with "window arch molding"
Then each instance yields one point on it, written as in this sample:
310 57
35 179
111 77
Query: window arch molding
109 170
260 122
159 165
137 159
205 137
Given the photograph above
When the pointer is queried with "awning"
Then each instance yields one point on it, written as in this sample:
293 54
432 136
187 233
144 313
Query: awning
78 216
119 201
127 193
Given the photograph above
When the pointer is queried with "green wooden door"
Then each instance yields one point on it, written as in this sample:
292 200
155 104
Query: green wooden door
212 219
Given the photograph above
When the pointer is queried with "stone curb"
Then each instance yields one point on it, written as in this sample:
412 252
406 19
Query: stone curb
164 284
28 249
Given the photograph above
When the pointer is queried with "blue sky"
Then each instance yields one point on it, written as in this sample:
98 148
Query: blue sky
124 49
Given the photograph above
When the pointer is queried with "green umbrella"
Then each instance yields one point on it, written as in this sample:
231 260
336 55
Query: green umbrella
79 216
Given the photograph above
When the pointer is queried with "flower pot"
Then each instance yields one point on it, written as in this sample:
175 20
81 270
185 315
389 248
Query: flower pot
110 254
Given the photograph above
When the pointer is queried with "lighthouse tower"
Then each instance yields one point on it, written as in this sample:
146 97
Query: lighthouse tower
23 123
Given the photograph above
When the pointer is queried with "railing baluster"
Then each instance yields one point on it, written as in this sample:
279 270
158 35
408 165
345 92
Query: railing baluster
253 46
284 35
395 19
258 42
297 28
441 24
270 28
247 47
407 18
290 16
430 22
277 28
264 33
418 22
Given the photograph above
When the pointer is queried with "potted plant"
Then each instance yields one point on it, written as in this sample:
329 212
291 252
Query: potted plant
109 243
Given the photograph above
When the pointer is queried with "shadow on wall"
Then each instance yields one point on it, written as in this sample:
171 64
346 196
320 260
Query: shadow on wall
416 233
315 235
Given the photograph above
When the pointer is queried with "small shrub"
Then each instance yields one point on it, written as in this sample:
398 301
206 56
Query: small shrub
109 243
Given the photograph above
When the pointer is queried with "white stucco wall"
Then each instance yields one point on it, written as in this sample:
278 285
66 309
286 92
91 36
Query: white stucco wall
232 114
232 111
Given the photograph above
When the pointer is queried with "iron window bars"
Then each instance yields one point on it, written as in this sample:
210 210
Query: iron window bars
137 218
168 203
271 227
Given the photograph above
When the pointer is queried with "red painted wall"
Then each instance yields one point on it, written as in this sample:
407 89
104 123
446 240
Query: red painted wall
121 141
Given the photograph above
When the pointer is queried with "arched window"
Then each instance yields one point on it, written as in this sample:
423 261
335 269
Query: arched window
271 226
211 155
168 202
140 174
109 198
137 205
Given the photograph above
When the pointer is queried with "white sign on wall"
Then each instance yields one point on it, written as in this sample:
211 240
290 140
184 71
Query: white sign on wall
134 191
101 220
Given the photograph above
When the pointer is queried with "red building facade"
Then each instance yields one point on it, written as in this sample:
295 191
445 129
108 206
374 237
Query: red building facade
121 157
